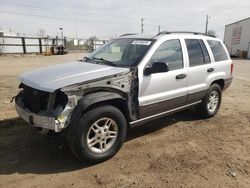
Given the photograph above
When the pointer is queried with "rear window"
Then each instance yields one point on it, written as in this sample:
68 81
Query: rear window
218 50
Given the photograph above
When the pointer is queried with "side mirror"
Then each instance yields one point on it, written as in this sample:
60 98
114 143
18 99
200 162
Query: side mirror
156 67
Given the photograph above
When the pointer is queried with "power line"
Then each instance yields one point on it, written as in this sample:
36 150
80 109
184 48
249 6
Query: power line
64 18
78 12
49 15
63 10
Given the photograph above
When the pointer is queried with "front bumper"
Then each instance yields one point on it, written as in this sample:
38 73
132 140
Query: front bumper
36 120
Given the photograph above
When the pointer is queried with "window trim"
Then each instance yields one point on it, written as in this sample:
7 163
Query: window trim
210 61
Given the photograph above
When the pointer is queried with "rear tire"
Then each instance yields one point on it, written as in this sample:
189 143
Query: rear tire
211 102
99 135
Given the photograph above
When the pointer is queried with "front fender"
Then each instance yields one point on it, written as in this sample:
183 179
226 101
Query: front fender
96 97
88 100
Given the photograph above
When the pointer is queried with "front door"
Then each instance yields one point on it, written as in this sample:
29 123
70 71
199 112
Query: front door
160 92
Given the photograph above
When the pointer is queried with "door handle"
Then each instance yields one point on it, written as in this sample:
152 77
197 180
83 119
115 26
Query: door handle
210 70
181 76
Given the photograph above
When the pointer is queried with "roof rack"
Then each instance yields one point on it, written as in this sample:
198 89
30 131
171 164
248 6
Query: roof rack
187 32
127 34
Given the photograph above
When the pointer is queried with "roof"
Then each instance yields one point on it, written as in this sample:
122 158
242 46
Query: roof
163 33
238 21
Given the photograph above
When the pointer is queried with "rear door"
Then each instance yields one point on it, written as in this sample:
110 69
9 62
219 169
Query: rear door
200 68
221 59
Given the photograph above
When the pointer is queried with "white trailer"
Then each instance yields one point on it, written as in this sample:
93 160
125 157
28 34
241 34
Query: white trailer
237 38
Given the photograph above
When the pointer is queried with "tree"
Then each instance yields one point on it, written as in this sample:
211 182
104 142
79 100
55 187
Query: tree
211 32
41 33
90 43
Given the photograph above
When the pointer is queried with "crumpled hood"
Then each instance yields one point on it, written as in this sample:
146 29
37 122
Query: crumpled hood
57 76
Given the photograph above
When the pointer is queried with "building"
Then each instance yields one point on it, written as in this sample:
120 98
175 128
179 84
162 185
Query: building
237 38
99 43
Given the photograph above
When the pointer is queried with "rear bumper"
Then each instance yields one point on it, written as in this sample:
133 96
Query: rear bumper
227 83
35 120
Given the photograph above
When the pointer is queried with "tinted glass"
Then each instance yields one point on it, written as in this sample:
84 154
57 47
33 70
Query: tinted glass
218 50
205 52
195 52
170 52
122 52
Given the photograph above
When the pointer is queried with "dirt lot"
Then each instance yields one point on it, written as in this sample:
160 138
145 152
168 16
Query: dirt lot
178 151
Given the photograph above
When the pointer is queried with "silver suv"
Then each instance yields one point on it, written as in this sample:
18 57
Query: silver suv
129 81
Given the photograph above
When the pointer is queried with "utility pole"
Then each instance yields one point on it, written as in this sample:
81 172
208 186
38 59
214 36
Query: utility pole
207 18
142 24
62 35
159 29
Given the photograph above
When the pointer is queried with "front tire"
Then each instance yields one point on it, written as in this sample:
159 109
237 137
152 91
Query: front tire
211 102
100 134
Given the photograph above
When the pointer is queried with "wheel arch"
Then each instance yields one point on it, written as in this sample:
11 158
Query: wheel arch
119 103
95 99
220 82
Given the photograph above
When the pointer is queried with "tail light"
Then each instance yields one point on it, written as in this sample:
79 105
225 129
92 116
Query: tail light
231 69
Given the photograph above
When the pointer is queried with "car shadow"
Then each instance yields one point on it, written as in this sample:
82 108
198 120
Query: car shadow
23 150
156 125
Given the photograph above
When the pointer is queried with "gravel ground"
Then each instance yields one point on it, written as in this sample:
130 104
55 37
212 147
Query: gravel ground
178 151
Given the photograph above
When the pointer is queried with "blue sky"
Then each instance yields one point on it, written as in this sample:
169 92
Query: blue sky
109 18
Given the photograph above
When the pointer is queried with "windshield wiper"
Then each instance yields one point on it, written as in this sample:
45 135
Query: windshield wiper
105 61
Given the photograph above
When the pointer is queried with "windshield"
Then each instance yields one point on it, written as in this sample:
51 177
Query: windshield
121 52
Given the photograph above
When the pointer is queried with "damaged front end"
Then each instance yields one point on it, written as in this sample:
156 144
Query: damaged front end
53 110
42 109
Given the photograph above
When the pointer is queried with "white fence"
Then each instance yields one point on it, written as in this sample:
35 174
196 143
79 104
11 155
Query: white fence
13 44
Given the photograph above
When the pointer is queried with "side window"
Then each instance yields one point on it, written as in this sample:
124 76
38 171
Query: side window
197 52
218 50
170 52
